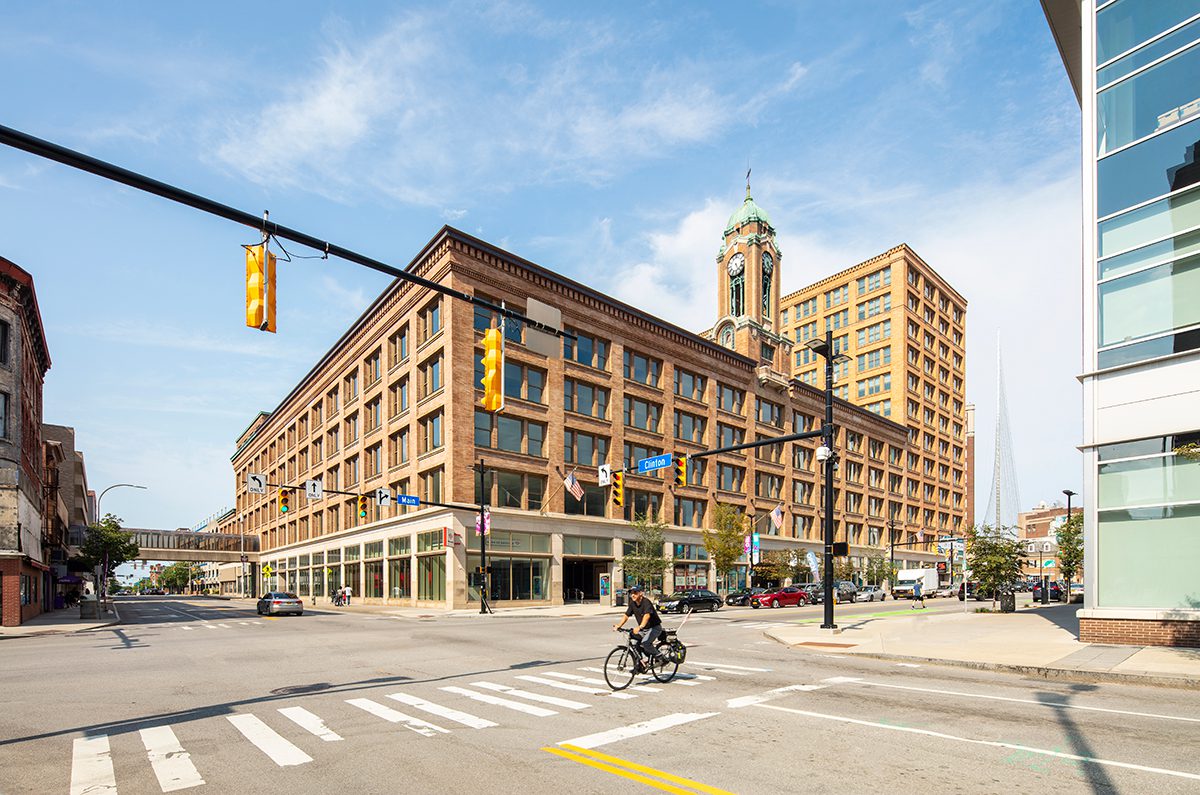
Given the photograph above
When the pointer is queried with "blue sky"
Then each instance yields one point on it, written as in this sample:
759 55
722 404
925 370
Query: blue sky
607 142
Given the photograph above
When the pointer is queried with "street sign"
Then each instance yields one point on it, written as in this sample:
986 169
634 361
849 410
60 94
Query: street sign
756 554
408 499
548 345
654 462
382 497
313 489
256 483
267 570
1048 563
605 475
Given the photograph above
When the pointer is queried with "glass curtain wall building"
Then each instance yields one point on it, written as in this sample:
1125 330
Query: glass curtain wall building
1135 65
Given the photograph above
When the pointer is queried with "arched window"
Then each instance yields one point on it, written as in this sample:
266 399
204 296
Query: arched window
767 268
737 295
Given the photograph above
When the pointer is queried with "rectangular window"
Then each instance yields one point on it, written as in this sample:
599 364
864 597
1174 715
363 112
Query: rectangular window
431 578
730 478
768 486
689 385
875 306
635 453
643 369
372 368
584 398
431 376
768 412
584 448
728 435
374 411
523 382
431 432
398 346
350 386
730 399
689 427
874 281
1150 302
4 415
4 341
431 320
592 504
587 350
642 414
431 485
874 333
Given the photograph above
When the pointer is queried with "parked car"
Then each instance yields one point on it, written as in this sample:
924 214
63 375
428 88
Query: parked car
872 593
687 601
279 602
974 592
846 591
815 591
947 592
741 598
781 597
1076 592
1056 592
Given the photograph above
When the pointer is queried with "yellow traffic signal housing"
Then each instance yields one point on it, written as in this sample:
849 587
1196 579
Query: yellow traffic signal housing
493 370
362 506
285 498
618 489
260 288
680 462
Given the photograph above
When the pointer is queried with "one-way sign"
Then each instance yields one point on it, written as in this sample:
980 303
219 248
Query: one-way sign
314 489
256 483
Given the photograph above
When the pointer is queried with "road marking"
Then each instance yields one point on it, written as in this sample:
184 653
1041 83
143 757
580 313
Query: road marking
576 688
528 709
270 742
512 691
171 764
421 727
465 718
841 680
91 767
209 626
637 729
760 698
223 626
310 722
990 743
1035 702
598 682
625 769
677 679
187 629
243 623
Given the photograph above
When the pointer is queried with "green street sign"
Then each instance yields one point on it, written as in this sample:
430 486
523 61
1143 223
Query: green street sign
267 570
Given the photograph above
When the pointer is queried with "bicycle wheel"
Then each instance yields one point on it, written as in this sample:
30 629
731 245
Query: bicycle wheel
619 668
664 671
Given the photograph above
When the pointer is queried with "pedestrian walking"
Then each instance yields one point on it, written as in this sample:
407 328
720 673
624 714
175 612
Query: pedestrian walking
347 594
918 596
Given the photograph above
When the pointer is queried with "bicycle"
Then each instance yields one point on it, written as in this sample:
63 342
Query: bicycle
625 662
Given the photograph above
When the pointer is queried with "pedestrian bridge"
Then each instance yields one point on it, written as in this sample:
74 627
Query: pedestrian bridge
192 546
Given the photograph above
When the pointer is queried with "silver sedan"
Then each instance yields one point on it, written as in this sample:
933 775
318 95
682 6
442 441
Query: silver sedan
278 602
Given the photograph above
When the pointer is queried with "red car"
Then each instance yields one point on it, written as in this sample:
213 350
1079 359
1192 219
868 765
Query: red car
779 597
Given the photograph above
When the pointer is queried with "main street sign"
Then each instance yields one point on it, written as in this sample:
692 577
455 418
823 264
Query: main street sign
408 499
654 462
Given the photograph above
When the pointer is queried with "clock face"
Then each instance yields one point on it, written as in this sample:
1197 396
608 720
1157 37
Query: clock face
767 263
737 263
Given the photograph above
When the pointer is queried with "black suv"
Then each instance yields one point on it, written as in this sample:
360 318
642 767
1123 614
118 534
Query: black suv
741 598
687 601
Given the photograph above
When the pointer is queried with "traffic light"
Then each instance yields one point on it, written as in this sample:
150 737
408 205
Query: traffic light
493 370
618 489
680 462
260 288
362 506
285 498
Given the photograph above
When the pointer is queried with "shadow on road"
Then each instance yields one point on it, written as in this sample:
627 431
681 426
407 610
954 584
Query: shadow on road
1094 774
1062 616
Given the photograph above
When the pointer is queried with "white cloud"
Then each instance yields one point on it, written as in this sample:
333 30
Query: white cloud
156 335
453 215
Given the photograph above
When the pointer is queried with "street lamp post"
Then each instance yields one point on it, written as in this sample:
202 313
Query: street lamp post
823 347
1046 591
101 587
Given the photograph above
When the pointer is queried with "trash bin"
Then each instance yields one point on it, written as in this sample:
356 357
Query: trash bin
620 594
1008 602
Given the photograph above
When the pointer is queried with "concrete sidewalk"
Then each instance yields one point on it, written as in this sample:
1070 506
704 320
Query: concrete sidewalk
323 605
60 622
1041 641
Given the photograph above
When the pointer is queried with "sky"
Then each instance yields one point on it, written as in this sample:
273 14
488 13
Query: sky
608 142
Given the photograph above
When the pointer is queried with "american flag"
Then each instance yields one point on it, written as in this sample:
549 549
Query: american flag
777 516
921 536
573 486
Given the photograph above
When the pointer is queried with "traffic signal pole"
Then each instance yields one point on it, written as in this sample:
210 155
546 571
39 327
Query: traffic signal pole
828 465
483 534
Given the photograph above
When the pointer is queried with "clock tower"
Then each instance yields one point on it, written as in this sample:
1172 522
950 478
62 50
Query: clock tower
748 288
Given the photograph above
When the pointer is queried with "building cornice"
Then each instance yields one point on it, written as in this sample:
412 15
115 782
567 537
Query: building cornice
878 259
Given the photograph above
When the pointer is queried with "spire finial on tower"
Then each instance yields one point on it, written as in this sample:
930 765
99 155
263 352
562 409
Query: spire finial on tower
747 181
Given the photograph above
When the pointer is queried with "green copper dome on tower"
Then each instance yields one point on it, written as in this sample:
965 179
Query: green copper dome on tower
749 211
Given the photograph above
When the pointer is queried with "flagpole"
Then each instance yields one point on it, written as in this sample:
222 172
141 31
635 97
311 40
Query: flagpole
562 483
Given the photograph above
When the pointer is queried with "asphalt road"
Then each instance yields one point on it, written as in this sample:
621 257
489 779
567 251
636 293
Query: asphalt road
205 695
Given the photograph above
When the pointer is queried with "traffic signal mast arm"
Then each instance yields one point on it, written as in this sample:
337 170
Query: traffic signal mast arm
69 157
456 506
791 437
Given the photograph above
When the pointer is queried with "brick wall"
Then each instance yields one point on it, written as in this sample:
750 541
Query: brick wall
1140 632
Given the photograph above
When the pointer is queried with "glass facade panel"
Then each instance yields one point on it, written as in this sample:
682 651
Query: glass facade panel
303 587
1155 221
1149 481
318 581
1151 52
353 580
1164 298
1175 248
1148 558
1163 95
1152 168
431 578
373 579
1127 23
399 578
1150 349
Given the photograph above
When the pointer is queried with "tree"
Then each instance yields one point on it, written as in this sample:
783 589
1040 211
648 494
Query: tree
843 569
995 558
1070 549
178 575
779 564
648 564
879 568
725 543
107 546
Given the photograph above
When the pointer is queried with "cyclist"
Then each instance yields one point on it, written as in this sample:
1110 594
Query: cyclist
648 624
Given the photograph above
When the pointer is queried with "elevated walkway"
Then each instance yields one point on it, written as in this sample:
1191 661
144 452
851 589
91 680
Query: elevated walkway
192 546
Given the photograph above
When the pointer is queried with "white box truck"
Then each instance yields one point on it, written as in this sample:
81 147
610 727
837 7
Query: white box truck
906 578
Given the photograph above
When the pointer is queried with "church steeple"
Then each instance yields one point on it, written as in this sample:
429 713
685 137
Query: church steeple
748 275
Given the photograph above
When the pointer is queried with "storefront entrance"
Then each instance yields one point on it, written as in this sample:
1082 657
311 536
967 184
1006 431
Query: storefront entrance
581 578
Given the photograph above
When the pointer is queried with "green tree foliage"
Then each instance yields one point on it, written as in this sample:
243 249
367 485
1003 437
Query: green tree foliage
1070 549
995 558
843 569
178 575
107 546
725 541
779 565
879 568
648 564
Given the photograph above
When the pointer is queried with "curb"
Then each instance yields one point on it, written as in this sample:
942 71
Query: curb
65 631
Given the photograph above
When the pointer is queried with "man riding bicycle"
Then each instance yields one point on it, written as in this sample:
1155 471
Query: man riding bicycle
648 624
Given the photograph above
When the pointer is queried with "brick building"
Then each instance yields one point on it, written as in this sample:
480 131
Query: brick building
394 404
904 329
25 582
1039 528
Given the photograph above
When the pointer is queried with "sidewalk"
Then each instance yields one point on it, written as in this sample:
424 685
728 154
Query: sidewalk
323 605
1041 641
59 622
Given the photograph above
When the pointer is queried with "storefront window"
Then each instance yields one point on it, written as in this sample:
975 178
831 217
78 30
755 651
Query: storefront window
431 577
691 576
373 582
302 588
351 573
399 577
318 581
514 578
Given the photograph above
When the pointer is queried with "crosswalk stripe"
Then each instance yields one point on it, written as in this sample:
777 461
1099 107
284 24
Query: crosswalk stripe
576 688
528 709
590 681
678 679
208 626
171 764
270 742
310 722
244 623
421 727
188 629
91 767
637 729
223 626
512 691
465 718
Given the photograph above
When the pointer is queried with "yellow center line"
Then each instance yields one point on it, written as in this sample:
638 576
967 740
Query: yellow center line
582 755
